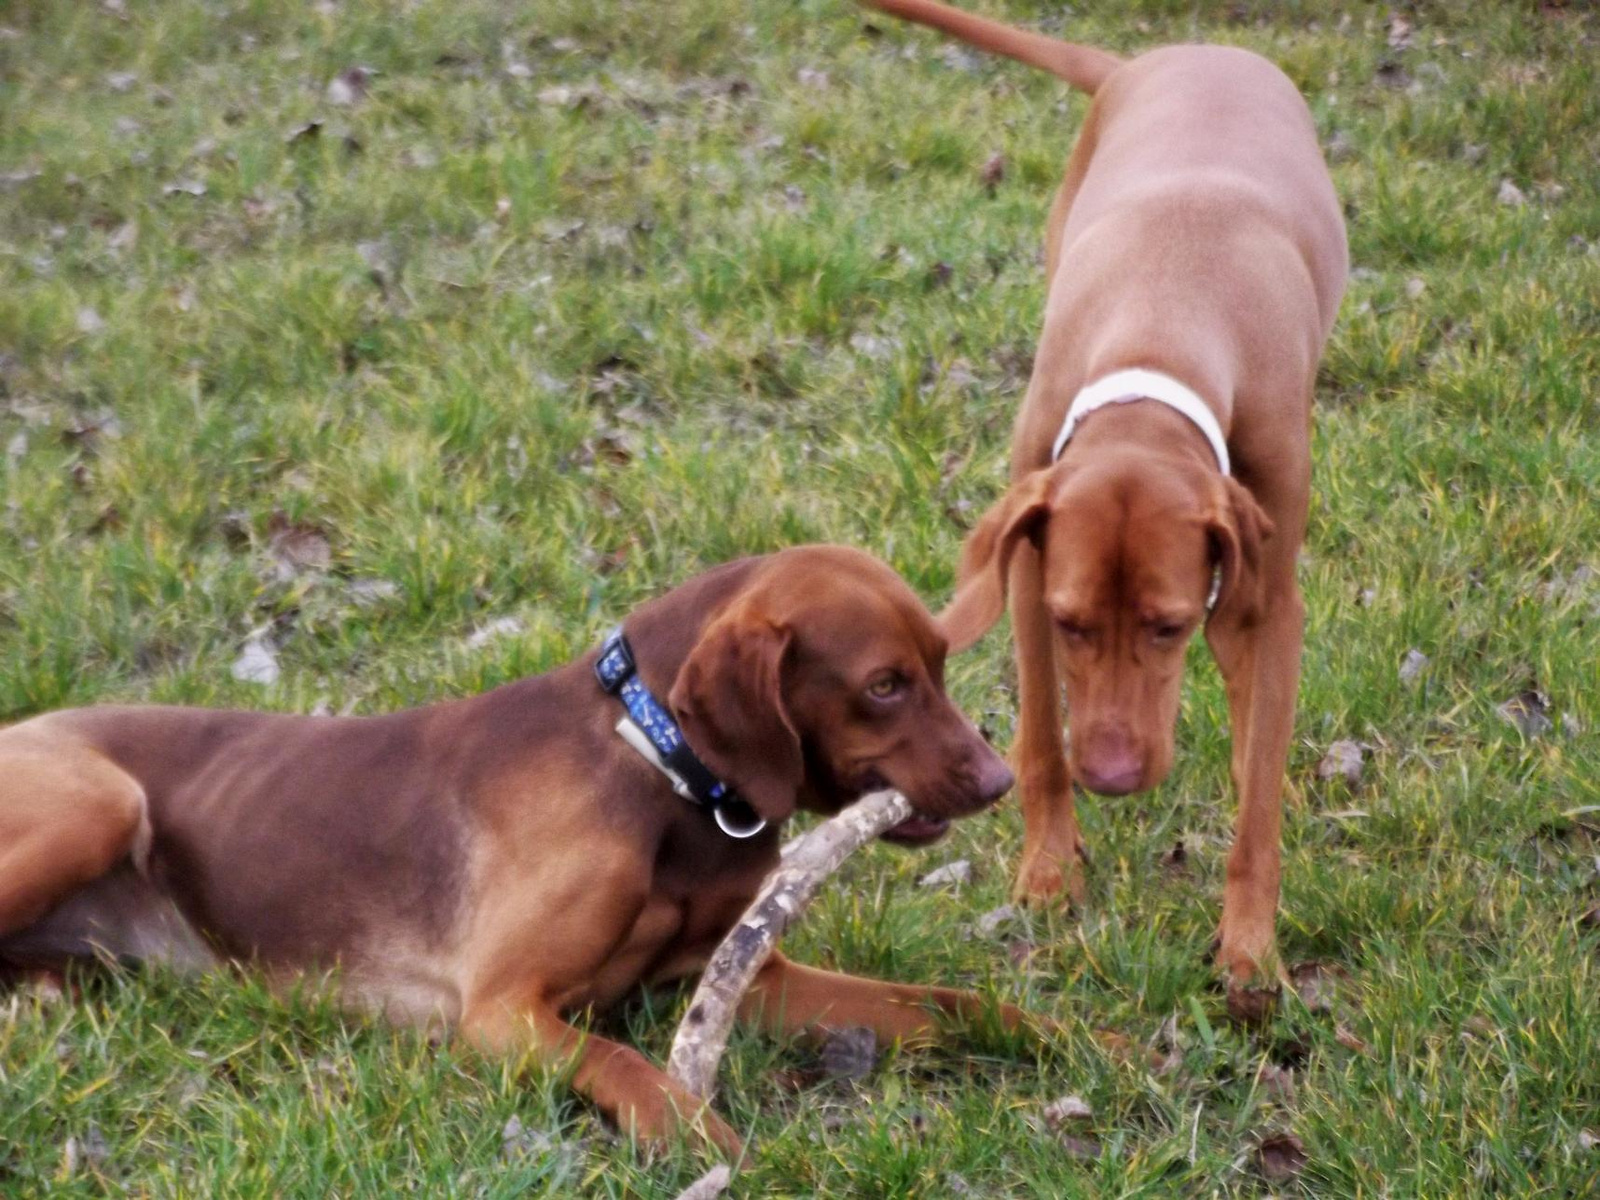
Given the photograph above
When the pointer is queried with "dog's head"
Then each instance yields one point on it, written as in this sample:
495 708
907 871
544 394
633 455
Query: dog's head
1127 555
824 680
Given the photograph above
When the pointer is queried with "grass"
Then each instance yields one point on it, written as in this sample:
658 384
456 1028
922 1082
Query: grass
586 295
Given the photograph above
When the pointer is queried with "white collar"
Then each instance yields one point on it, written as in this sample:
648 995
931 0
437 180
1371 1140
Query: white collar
1121 387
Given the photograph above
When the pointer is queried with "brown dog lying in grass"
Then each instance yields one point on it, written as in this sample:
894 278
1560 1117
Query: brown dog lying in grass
500 861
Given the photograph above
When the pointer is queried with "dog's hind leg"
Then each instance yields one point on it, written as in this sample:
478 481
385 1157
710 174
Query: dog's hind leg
67 816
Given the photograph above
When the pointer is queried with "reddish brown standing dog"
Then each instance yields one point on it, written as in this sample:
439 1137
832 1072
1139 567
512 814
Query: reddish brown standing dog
1196 258
501 861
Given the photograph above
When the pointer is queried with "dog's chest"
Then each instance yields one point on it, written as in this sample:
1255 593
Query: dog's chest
672 936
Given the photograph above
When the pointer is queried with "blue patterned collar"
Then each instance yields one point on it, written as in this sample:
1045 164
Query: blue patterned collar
650 729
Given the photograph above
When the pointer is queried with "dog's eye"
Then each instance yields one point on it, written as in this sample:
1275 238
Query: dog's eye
1074 632
1166 631
885 687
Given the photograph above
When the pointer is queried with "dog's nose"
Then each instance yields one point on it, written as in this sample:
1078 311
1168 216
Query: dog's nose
1111 766
1116 779
994 778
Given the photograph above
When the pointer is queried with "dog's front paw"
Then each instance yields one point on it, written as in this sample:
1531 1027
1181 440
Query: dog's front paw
1045 876
672 1115
1249 967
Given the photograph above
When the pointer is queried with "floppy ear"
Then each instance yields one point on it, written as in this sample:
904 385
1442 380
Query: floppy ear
986 560
728 699
1238 526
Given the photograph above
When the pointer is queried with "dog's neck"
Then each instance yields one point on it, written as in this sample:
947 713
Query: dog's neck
664 631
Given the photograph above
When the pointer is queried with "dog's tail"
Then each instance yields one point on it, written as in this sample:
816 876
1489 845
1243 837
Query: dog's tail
1084 67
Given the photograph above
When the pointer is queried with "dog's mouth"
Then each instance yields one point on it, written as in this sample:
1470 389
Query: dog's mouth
919 829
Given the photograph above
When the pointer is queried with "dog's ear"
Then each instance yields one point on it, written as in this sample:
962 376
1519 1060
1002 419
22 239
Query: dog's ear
986 560
728 699
1238 527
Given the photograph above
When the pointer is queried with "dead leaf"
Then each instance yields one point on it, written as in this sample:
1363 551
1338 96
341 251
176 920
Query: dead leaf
1081 1148
710 1185
88 1151
498 628
1067 1110
89 321
184 187
109 518
349 87
798 1079
996 917
1344 760
571 97
1412 665
1252 1005
1399 33
1415 287
872 346
1277 1082
817 81
256 663
122 81
1166 1048
1343 1035
1176 860
1317 984
372 592
1391 74
1480 1027
1588 1139
1511 195
518 1141
554 230
850 1053
1529 711
1020 951
17 446
993 172
304 133
297 547
951 874
1281 1157
88 431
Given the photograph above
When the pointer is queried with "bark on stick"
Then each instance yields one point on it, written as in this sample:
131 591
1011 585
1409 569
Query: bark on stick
703 1036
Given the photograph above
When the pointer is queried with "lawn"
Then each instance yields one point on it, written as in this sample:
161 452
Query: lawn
323 388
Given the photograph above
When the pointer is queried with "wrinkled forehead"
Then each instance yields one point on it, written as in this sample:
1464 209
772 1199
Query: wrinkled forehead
1128 554
860 613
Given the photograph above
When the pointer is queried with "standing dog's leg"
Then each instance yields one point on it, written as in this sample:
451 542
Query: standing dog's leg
630 1089
1050 840
66 816
1259 656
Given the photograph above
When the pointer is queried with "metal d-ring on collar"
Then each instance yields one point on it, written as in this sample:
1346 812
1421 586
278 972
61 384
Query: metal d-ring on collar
650 729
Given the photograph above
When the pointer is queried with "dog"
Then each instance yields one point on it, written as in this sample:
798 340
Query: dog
498 862
1196 259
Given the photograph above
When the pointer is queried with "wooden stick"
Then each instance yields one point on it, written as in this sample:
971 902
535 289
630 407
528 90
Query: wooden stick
703 1036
